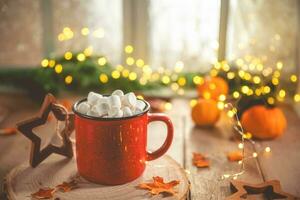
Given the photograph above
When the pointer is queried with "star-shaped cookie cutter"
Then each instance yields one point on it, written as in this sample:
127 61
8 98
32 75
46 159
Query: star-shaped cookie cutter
270 189
37 155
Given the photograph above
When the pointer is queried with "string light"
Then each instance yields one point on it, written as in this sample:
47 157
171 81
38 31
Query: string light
102 61
266 89
85 31
103 78
271 100
88 51
236 94
165 79
68 79
128 49
293 78
81 57
198 80
181 81
125 73
130 61
51 63
279 65
281 93
58 68
256 79
230 75
115 74
132 76
45 63
139 63
220 105
193 102
168 106
244 136
68 55
297 97
267 149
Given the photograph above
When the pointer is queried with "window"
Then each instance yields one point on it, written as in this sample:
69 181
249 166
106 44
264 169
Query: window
164 33
184 31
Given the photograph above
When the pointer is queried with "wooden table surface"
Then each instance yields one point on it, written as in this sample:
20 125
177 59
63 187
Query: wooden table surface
283 163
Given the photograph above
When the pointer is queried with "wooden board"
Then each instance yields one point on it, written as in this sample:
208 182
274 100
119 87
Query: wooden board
283 163
24 180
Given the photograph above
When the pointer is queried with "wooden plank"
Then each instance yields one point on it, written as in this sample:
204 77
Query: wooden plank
214 143
283 163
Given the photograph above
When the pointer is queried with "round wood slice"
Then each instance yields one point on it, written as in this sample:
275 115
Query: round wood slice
22 181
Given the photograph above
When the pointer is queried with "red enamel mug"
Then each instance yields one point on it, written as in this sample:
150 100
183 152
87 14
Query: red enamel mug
112 151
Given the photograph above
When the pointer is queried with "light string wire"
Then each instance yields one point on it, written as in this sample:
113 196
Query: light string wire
239 129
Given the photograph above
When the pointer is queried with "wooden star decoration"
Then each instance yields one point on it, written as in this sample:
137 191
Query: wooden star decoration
37 155
270 190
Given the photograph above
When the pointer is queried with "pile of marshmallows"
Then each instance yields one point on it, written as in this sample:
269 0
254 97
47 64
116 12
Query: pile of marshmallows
116 105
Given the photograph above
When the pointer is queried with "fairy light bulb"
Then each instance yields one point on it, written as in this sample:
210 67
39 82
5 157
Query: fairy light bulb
271 100
68 79
58 68
230 75
132 76
103 78
85 31
293 78
165 79
220 105
81 57
68 55
130 61
181 81
198 80
297 97
115 74
282 93
241 145
128 49
254 154
267 149
256 79
193 102
168 106
236 94
45 63
279 65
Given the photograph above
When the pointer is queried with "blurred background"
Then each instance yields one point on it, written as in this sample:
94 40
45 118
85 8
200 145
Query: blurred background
144 42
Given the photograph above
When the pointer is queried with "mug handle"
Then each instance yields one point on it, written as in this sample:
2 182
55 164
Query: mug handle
163 149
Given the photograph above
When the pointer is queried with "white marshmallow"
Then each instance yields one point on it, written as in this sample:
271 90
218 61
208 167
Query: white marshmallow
129 99
93 97
102 108
114 101
102 100
115 112
83 107
126 111
120 114
118 92
140 105
93 112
